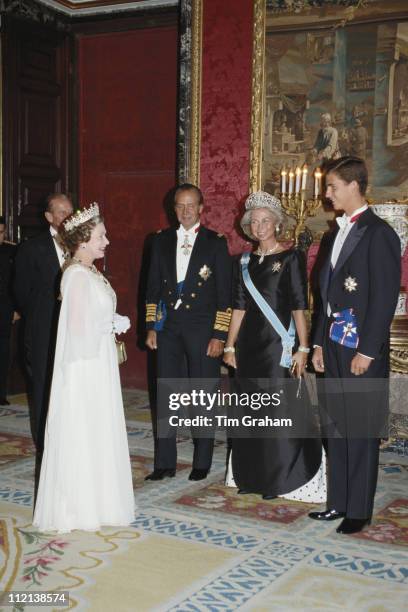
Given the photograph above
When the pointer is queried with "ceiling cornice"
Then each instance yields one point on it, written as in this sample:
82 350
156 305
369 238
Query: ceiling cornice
73 8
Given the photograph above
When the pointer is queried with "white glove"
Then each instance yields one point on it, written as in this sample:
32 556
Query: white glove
120 324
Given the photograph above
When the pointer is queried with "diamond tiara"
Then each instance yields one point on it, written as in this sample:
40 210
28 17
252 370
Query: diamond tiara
81 216
262 199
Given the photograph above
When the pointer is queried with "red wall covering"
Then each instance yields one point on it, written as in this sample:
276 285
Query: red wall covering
127 126
226 113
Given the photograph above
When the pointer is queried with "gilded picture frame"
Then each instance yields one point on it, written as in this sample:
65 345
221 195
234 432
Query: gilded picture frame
349 63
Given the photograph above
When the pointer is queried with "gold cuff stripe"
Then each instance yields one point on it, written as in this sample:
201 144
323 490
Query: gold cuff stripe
223 318
150 319
223 328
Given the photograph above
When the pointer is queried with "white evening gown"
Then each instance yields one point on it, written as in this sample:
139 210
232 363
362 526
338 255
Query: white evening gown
86 479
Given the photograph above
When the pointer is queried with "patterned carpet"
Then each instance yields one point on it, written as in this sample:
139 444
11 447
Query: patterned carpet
198 546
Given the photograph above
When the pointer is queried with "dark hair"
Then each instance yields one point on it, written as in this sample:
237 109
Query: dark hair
55 196
189 187
82 233
349 169
2 220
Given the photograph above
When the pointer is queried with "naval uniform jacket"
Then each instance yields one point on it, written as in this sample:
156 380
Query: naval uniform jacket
206 293
366 278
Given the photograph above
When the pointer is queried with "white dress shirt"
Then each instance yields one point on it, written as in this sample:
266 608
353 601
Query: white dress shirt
185 243
58 249
345 223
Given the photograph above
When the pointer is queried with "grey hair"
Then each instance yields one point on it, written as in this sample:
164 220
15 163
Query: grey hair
279 216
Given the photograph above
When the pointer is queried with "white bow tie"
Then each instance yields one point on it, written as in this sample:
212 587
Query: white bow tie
343 221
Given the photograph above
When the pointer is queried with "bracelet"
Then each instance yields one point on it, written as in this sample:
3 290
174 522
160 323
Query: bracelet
303 349
229 349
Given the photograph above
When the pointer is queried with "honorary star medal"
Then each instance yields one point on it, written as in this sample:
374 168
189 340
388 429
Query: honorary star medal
350 284
205 272
276 266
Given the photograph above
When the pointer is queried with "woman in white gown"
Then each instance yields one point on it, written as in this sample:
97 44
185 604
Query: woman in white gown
85 479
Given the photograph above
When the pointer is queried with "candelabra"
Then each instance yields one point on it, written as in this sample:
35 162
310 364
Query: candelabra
297 205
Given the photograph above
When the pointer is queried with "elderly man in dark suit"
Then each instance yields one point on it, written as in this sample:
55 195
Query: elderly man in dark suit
190 277
7 312
359 285
36 286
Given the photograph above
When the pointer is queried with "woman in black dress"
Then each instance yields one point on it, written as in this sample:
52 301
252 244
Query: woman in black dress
270 466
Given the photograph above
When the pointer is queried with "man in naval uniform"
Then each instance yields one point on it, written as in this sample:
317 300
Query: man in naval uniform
190 279
36 287
359 285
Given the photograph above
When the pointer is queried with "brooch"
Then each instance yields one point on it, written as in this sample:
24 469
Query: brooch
276 266
349 330
205 272
350 284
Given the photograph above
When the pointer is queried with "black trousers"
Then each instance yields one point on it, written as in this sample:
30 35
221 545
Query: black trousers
39 348
354 411
6 318
182 348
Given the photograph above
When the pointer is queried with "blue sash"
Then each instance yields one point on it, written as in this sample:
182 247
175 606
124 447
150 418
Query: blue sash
161 311
287 336
343 330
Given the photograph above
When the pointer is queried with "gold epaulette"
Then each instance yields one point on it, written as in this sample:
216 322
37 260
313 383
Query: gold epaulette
151 313
223 319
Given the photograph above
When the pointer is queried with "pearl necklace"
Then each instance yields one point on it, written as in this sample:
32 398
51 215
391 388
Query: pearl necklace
263 254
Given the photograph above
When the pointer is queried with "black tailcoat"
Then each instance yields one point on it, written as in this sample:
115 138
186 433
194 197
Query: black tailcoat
36 288
369 261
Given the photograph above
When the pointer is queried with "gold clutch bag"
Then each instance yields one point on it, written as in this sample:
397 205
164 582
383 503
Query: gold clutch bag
121 350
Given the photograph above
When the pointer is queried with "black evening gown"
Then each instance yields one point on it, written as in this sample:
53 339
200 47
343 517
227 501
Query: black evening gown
271 466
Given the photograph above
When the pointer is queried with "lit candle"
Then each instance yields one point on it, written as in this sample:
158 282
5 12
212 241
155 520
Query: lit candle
298 173
304 177
317 183
283 180
291 181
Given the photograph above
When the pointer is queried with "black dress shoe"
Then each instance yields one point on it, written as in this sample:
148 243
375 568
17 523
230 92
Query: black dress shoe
160 473
243 492
267 496
4 402
197 474
327 515
349 525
